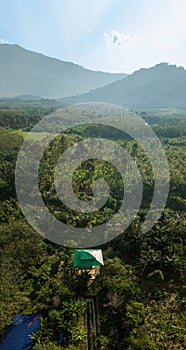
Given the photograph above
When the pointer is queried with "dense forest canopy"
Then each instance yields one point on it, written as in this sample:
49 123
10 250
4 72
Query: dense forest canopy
141 290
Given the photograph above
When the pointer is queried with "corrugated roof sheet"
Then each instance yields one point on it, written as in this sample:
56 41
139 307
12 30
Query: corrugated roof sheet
88 257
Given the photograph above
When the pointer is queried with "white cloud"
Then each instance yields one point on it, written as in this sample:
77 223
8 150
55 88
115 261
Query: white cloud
2 41
161 29
117 38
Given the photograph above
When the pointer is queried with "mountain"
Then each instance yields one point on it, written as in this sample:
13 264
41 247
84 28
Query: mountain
23 72
23 98
162 86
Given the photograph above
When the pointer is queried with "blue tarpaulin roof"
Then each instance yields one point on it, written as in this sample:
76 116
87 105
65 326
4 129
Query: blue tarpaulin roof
16 335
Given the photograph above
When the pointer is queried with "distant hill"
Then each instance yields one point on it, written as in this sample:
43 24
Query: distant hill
162 86
23 72
27 98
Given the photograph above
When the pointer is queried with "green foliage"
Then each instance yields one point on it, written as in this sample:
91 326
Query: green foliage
43 335
134 314
142 342
66 319
47 346
21 251
140 291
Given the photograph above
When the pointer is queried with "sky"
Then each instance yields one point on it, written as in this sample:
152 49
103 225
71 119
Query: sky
107 35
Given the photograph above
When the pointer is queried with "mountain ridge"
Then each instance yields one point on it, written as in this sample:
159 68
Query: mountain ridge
161 86
25 72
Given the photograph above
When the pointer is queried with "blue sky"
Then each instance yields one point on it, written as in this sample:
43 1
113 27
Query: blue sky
108 35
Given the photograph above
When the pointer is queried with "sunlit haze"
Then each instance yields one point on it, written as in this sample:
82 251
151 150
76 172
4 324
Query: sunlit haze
107 35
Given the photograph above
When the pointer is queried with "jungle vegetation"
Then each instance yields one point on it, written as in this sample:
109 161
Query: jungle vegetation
141 290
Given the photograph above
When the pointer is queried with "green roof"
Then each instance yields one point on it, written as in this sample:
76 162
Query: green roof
88 258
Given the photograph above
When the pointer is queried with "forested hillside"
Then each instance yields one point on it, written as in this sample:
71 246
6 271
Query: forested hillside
140 292
161 86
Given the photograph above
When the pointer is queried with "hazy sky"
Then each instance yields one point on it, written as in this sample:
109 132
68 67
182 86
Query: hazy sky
108 35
